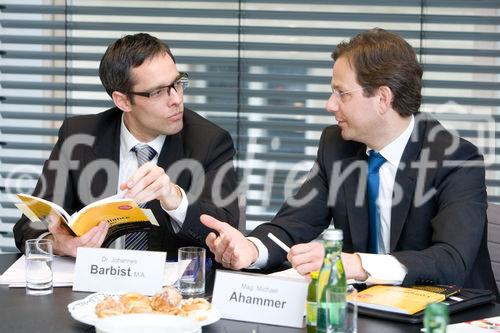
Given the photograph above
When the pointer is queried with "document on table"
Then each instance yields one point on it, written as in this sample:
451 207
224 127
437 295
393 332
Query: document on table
289 273
484 325
292 273
63 272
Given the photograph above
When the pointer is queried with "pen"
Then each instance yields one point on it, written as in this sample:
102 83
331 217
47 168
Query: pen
278 242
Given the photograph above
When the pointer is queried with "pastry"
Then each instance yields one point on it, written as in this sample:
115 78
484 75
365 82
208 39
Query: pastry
195 304
109 307
197 308
168 298
135 303
167 301
175 311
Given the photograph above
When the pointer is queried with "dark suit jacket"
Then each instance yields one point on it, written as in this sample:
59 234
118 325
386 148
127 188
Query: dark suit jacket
98 146
440 240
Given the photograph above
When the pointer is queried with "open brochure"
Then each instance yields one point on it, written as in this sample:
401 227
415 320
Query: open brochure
476 326
123 215
396 299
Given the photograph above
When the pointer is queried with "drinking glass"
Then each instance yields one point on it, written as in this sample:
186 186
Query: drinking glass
351 316
38 253
192 281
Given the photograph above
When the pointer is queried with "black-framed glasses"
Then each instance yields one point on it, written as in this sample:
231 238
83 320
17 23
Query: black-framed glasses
180 83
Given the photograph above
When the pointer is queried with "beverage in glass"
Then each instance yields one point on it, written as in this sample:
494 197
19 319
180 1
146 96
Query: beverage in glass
192 280
38 253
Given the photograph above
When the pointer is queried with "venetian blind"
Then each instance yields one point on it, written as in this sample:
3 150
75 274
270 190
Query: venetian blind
260 69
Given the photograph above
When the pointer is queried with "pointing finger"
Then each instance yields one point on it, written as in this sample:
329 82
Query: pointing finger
213 223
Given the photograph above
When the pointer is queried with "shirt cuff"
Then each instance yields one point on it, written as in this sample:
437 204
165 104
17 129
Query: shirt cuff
178 215
382 269
263 256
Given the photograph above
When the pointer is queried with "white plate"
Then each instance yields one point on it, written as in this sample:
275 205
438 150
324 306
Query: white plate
84 310
146 322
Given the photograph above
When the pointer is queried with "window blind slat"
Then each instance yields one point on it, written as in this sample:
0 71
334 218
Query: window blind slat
49 56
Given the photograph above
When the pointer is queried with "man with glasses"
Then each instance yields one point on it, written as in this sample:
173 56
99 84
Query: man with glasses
409 196
148 132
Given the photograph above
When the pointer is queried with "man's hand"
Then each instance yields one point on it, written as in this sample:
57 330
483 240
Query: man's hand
66 244
150 182
353 268
306 257
231 248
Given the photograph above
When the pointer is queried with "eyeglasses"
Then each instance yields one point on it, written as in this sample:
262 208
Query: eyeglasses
180 83
345 96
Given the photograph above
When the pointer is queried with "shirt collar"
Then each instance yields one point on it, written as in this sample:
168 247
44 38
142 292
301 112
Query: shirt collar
394 150
128 141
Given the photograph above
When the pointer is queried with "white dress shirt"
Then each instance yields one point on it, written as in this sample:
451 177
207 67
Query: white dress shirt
381 268
129 164
384 267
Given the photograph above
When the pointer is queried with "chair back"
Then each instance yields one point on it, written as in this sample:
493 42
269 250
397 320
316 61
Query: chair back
494 239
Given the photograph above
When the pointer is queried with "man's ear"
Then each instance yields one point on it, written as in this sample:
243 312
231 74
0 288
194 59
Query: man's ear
122 101
385 98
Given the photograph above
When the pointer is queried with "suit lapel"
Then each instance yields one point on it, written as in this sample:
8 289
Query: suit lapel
107 146
405 183
355 198
171 152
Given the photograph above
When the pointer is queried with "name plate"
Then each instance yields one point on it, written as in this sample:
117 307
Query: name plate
118 271
260 298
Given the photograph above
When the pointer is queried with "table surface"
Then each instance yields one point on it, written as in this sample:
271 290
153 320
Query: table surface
22 313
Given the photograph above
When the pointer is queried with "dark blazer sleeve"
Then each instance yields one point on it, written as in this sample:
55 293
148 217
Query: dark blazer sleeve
458 226
54 175
303 216
219 176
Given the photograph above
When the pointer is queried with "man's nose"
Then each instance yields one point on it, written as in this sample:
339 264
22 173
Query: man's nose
332 105
175 97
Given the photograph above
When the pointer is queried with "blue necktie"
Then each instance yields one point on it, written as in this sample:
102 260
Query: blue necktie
375 161
139 240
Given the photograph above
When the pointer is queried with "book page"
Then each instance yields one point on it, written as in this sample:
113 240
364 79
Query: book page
29 214
43 208
118 196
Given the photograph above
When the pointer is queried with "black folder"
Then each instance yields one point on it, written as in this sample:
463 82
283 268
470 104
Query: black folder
465 299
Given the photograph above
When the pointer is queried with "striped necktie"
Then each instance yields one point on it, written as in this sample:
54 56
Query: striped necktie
139 240
375 161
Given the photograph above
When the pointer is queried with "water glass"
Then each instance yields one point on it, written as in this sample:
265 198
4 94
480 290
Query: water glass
38 253
351 316
192 281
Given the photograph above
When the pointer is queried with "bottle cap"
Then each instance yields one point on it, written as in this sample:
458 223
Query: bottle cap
333 235
314 275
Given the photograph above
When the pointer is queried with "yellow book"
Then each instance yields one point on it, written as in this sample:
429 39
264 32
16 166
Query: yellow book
123 215
396 299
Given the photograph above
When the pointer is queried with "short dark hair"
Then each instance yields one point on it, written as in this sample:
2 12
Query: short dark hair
124 54
382 58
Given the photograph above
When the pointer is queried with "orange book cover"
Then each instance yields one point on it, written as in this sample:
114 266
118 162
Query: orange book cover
396 299
123 215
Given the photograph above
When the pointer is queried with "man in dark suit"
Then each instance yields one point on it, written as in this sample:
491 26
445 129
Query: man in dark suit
427 222
130 148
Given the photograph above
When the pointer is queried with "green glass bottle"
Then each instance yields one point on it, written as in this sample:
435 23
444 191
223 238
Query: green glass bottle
332 286
312 299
